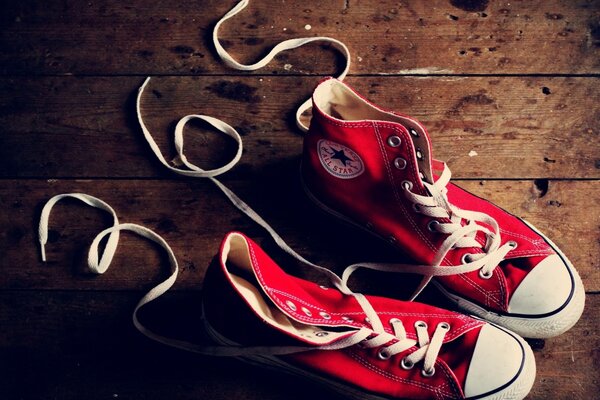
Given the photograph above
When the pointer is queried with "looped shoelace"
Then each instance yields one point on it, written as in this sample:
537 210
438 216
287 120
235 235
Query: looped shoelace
282 46
436 206
428 350
98 263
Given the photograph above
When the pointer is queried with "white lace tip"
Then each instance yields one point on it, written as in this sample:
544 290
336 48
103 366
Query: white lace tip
43 252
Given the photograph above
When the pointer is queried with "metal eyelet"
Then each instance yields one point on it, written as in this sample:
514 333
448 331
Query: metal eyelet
400 163
324 315
416 207
306 311
324 287
432 225
407 185
394 141
421 175
419 153
512 244
321 334
413 132
406 364
444 325
394 320
383 354
420 324
466 258
429 373
291 305
484 275
347 319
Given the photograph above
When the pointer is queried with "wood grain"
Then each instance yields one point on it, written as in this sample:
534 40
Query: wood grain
77 345
193 217
385 37
86 127
507 89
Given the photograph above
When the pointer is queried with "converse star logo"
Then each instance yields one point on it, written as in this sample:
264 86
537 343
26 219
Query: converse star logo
339 160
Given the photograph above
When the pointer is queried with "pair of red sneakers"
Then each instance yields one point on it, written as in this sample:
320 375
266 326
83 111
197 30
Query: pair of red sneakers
374 169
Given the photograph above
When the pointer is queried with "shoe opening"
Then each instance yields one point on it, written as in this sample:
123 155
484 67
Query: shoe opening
237 260
336 100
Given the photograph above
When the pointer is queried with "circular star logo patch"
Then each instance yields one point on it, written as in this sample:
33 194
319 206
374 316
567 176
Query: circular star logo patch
340 161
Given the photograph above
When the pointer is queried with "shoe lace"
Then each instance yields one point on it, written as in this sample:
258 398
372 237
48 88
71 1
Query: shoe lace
376 336
437 206
460 236
99 261
428 348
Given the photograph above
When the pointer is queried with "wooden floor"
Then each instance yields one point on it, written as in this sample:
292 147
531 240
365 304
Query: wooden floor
508 89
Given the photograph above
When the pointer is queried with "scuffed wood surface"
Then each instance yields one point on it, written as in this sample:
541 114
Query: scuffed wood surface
384 37
77 345
86 127
193 216
508 91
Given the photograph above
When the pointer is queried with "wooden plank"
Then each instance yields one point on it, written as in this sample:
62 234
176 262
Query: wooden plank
77 345
86 127
193 217
447 37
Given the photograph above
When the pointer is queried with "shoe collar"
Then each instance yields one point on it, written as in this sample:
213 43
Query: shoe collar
336 103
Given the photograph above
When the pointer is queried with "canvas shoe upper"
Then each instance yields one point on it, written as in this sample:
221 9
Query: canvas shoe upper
375 168
362 346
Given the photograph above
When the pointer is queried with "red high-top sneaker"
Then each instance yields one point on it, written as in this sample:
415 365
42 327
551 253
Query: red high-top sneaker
364 347
374 168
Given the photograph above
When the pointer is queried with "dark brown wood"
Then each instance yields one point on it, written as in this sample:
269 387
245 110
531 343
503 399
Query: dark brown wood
86 127
388 37
193 217
508 90
77 345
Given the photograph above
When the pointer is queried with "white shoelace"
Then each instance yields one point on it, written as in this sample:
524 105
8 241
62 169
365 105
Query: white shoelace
436 206
459 236
428 350
282 46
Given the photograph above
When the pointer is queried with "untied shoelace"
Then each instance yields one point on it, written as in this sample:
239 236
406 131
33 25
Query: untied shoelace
374 337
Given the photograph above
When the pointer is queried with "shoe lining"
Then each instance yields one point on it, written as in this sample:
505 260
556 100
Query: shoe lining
236 257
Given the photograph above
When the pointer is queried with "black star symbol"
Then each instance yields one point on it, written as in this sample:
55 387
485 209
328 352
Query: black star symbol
340 155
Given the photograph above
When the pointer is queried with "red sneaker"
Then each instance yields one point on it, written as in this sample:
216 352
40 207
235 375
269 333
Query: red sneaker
375 169
362 346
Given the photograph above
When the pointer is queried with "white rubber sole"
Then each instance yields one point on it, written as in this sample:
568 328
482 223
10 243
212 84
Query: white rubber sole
526 326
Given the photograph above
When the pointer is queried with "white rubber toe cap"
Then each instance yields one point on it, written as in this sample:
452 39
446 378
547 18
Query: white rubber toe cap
544 290
498 361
